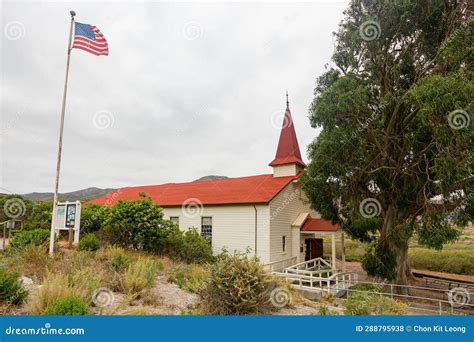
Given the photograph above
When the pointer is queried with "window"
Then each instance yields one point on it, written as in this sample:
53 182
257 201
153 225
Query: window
283 243
206 227
175 220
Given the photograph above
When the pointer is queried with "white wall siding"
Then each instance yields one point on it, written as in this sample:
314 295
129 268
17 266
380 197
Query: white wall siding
286 170
233 226
284 209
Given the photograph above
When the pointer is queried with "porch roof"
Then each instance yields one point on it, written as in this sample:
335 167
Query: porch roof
319 225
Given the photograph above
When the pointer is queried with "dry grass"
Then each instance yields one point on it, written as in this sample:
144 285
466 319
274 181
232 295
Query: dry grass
80 273
188 277
55 286
36 262
139 276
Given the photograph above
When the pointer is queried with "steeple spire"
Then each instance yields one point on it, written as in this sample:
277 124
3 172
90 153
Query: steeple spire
288 151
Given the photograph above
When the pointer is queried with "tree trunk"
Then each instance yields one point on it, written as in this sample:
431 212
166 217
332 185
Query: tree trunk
402 268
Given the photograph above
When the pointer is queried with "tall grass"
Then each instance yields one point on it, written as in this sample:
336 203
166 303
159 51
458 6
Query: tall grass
55 287
188 277
139 276
450 261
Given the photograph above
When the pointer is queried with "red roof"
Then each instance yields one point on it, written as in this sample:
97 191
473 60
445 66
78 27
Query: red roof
288 151
319 225
253 189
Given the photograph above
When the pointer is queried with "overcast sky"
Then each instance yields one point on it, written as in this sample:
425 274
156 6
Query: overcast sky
188 90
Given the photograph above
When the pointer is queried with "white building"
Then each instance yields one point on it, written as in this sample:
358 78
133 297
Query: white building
266 214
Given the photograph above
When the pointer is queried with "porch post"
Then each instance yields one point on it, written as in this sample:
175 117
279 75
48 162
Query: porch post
333 250
343 253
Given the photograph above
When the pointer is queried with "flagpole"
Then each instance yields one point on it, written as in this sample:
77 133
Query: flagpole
60 144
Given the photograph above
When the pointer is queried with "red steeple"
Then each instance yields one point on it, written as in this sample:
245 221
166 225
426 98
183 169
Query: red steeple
288 151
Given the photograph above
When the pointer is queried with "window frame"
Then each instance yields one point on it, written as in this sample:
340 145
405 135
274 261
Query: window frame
208 233
175 217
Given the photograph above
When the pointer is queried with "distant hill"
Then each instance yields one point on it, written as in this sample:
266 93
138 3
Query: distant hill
210 177
81 195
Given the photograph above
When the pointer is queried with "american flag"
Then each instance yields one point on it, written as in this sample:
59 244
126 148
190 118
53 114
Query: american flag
89 38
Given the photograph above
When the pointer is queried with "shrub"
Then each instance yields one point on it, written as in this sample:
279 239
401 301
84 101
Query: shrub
11 289
69 306
93 217
193 248
29 237
138 225
237 285
139 276
14 206
361 303
41 216
89 242
188 277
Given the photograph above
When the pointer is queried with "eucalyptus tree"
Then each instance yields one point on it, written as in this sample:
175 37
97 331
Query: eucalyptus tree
394 157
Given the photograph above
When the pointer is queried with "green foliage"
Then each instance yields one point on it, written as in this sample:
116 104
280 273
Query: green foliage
29 237
93 217
11 289
238 285
361 303
388 131
192 247
434 232
89 242
453 261
14 207
139 225
379 261
69 306
188 277
41 216
363 229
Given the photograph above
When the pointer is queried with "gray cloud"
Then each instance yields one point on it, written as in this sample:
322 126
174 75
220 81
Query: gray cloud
191 89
